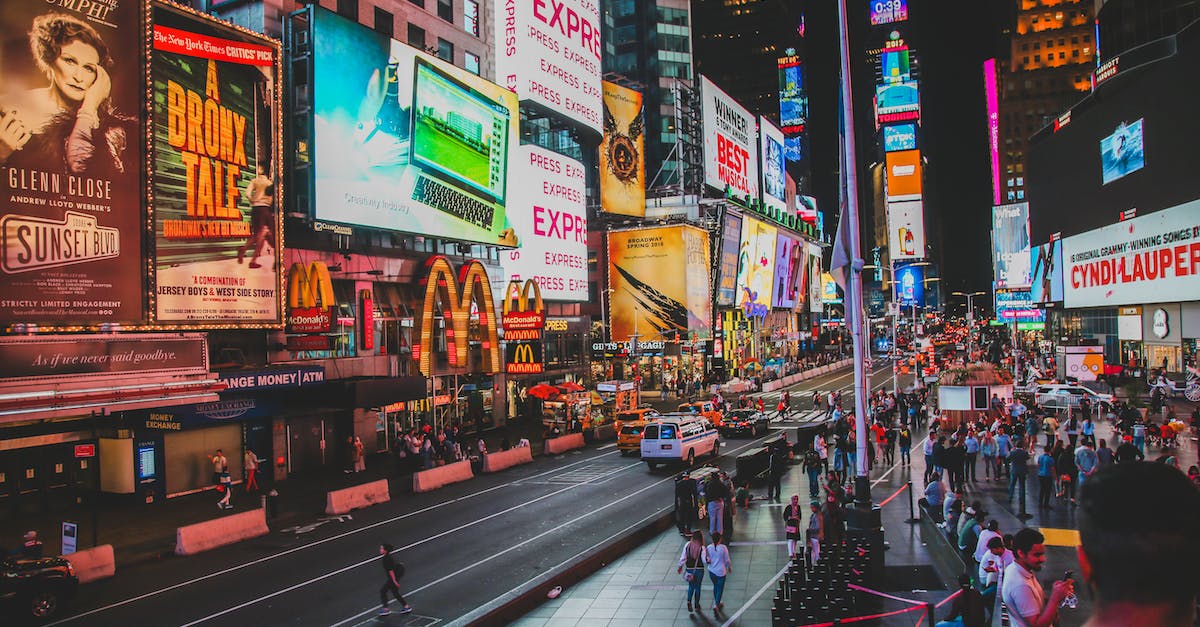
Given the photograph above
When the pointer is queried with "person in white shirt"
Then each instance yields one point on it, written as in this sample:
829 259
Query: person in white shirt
981 547
716 555
995 560
1027 603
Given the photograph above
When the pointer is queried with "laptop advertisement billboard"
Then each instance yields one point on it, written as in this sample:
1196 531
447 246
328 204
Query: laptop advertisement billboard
405 141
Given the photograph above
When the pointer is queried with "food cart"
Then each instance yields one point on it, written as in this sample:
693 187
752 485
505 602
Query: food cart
615 396
567 407
966 392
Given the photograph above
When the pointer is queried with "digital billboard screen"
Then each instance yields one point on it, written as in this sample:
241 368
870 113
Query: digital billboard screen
897 97
731 238
906 229
1011 245
774 174
903 174
405 141
1018 306
793 99
895 66
623 153
215 209
549 53
730 142
888 11
899 137
644 304
991 92
910 285
756 267
790 255
549 215
73 210
1123 152
1047 274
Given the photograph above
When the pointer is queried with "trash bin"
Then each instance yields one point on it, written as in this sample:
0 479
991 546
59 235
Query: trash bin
270 503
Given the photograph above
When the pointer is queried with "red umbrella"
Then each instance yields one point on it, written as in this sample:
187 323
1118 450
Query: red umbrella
543 391
570 386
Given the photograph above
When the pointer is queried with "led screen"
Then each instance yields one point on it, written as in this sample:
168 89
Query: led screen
774 176
888 11
899 137
1010 245
1123 152
756 267
910 285
897 98
895 66
1047 263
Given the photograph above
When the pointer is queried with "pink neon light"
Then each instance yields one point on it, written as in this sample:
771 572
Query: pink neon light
993 113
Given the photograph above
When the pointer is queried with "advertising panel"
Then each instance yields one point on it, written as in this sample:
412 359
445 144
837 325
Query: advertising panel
731 237
831 294
906 229
641 302
992 97
405 141
549 215
756 267
903 174
623 153
888 11
899 137
910 285
774 174
895 66
523 318
67 355
790 255
730 142
793 107
1047 273
1123 152
551 55
215 129
1018 305
815 286
71 215
1144 260
1011 245
897 98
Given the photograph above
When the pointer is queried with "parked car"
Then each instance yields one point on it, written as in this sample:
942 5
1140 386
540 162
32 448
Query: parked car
744 422
1063 396
37 588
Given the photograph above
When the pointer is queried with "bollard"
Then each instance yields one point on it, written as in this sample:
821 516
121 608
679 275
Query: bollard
270 503
912 517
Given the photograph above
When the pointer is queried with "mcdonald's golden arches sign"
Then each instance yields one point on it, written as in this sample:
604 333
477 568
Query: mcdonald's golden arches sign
523 318
456 297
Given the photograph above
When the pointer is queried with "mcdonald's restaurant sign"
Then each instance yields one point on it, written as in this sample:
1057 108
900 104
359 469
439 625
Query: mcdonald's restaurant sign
457 294
310 299
523 317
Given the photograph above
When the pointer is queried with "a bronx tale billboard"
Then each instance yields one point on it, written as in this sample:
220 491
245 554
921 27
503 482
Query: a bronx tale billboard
71 98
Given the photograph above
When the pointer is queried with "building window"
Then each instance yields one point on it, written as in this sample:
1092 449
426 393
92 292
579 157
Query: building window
348 9
471 17
416 36
1075 53
420 3
384 22
471 63
1020 194
1024 60
1025 46
1037 45
1037 58
446 10
445 50
1075 40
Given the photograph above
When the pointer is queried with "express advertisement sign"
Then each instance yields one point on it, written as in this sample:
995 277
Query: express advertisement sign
774 176
548 51
906 229
405 141
549 215
1010 245
1144 260
623 153
71 93
215 128
730 142
641 302
731 237
756 267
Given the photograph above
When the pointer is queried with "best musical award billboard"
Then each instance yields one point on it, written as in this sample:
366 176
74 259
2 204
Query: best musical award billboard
730 143
215 129
71 93
405 141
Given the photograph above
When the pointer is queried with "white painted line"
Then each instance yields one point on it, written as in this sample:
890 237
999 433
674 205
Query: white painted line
317 543
759 543
745 606
606 446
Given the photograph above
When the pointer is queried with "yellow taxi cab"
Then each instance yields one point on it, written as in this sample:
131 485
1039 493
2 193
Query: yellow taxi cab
629 437
633 415
707 409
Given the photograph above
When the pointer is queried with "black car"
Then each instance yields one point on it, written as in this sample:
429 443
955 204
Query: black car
744 422
36 588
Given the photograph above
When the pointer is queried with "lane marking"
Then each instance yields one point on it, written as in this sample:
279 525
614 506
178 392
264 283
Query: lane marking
315 543
606 446
749 602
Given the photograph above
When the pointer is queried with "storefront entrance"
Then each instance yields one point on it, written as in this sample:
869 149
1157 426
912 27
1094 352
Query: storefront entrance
45 479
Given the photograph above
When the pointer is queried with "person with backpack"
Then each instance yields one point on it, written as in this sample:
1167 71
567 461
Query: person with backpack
1072 430
394 570
813 465
692 560
791 524
905 437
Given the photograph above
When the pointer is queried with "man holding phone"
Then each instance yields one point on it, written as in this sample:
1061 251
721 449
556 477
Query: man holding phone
1023 593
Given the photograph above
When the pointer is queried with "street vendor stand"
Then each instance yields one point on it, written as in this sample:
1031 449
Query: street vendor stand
616 396
963 393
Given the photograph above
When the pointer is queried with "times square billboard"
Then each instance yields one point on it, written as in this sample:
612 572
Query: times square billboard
730 143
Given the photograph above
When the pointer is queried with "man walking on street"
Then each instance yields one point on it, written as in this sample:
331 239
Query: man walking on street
1045 478
1018 460
1086 461
777 467
394 572
971 447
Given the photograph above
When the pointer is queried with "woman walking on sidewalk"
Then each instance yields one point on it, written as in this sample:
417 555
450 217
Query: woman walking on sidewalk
791 524
719 567
691 566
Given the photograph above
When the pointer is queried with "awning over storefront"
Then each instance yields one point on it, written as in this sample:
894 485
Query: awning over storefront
52 403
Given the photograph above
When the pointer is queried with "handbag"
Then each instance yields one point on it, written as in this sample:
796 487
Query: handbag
702 512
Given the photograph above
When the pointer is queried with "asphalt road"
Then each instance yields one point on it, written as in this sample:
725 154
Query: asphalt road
463 546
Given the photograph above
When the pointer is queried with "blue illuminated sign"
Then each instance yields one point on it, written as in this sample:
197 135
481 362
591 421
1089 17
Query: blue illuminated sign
900 137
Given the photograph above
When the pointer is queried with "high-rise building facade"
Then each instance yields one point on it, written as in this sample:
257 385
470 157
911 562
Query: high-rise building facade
1125 24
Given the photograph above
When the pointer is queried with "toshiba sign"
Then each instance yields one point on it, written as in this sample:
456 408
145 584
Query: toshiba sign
1137 261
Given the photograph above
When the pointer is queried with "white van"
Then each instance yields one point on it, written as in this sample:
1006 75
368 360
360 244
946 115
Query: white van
678 438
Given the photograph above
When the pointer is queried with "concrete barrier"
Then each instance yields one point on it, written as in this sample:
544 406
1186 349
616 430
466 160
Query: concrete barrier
494 462
771 386
93 564
210 534
357 497
434 478
554 446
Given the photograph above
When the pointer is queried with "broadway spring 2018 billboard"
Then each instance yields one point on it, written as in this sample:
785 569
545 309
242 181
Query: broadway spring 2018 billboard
215 129
71 92
641 302
405 141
